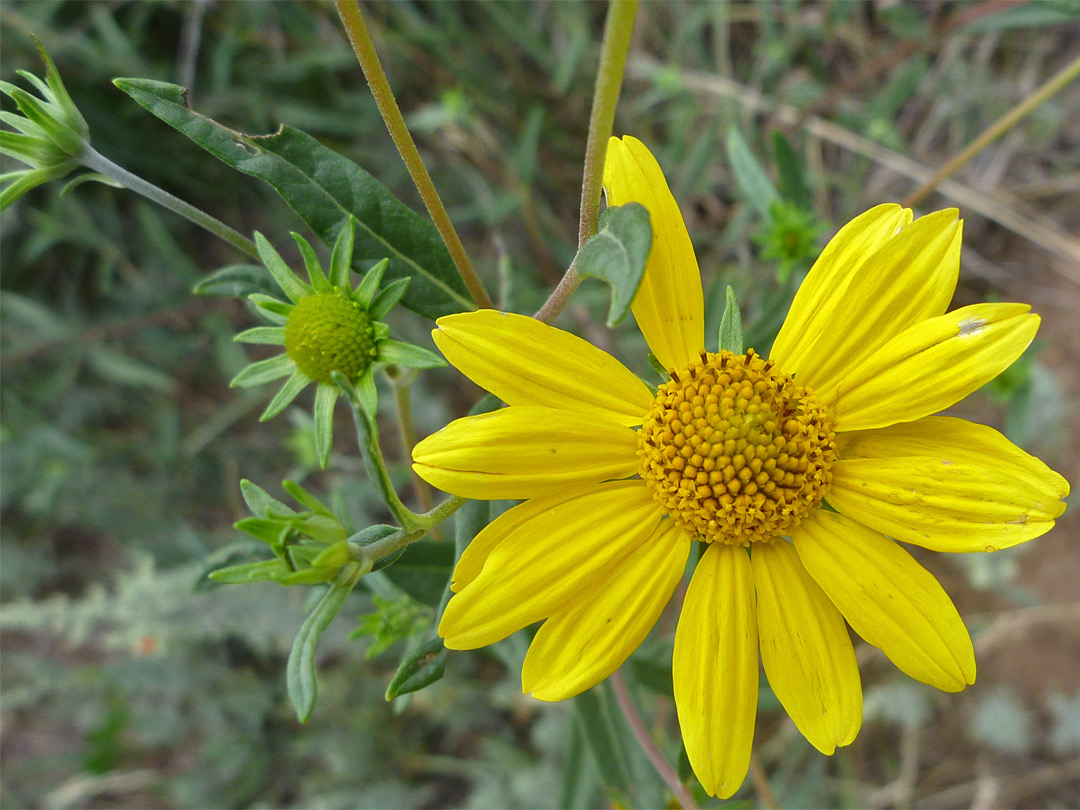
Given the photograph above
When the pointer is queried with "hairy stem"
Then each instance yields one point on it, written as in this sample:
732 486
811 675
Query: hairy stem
618 29
997 129
99 163
662 766
407 433
367 436
403 537
364 48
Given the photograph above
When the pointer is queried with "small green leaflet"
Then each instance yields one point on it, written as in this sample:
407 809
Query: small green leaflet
301 681
323 188
756 187
617 255
731 337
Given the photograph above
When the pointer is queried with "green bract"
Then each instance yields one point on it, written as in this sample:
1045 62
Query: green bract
51 135
326 326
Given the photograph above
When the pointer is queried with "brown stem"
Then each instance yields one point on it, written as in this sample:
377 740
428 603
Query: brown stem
662 766
366 54
761 783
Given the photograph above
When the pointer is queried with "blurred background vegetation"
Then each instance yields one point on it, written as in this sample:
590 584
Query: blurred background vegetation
129 680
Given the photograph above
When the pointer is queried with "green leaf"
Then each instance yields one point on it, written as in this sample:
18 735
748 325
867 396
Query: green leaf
88 177
262 571
609 747
301 680
59 92
285 395
423 570
263 371
405 354
269 530
580 779
324 188
289 282
235 281
365 291
121 369
617 255
342 255
388 297
262 503
325 399
731 336
308 500
316 276
793 185
756 187
29 180
419 668
262 335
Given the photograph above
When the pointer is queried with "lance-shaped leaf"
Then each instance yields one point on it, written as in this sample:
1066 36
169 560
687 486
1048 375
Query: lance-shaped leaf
756 187
731 337
617 255
324 188
300 679
419 668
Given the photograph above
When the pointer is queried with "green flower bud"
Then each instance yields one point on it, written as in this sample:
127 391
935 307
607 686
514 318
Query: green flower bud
329 331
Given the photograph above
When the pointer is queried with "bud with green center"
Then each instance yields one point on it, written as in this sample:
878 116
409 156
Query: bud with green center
328 332
52 134
326 326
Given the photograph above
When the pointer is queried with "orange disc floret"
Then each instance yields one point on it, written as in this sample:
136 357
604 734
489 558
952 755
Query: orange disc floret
734 450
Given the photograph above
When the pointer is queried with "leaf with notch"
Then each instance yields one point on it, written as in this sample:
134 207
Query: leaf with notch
617 255
324 188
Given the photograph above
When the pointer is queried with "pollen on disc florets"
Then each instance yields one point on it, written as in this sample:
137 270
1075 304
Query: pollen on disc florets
329 331
734 450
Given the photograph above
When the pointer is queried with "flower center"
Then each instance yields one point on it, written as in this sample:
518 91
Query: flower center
327 332
734 450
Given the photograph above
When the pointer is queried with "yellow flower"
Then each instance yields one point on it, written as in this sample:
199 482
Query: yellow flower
741 454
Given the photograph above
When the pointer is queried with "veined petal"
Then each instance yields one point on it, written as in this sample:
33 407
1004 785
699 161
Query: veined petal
525 362
553 560
525 451
805 649
476 553
822 292
931 366
908 278
669 305
715 668
946 484
576 649
888 599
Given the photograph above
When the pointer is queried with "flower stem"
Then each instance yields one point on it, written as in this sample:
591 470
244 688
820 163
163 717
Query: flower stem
662 766
399 382
367 436
403 537
761 782
618 28
366 54
997 129
93 159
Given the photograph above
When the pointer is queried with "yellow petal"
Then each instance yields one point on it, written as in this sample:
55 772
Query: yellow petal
476 553
715 669
931 366
576 649
908 278
888 599
525 362
550 562
525 451
946 484
821 296
805 649
669 305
